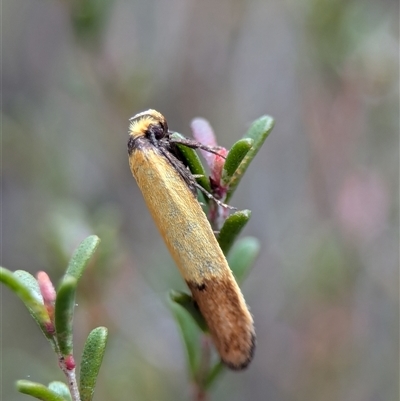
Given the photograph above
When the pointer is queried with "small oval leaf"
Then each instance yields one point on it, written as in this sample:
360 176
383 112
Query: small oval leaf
37 390
81 256
29 297
30 282
92 358
235 156
232 227
64 313
187 302
193 162
190 334
61 389
258 132
214 373
242 257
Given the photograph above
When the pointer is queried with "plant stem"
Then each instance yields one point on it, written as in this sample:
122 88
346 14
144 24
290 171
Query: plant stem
73 385
71 379
199 394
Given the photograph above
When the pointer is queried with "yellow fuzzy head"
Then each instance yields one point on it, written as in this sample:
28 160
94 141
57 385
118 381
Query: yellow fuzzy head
141 123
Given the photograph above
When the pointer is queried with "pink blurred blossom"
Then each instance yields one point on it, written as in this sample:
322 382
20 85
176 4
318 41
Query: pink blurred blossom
46 288
362 206
70 362
203 133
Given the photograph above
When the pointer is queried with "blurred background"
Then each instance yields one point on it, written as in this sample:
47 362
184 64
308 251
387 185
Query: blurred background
323 190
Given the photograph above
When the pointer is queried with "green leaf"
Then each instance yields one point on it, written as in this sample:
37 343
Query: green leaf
214 373
187 302
190 335
28 295
81 256
61 389
39 391
242 257
64 313
88 20
30 282
193 162
258 132
235 156
232 227
92 357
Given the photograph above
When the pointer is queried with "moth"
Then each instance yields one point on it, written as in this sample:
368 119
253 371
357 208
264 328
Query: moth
170 192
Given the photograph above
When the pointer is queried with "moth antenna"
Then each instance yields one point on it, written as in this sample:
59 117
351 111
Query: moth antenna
196 145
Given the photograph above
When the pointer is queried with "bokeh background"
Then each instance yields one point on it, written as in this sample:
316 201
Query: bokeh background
323 190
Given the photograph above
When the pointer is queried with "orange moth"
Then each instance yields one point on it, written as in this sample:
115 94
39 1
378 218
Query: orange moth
169 190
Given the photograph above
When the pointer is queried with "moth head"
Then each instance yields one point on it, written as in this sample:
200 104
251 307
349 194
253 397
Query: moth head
149 123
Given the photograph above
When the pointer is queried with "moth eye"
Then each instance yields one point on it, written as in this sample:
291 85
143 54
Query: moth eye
159 131
164 128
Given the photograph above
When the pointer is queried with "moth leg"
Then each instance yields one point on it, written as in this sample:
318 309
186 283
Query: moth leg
210 196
